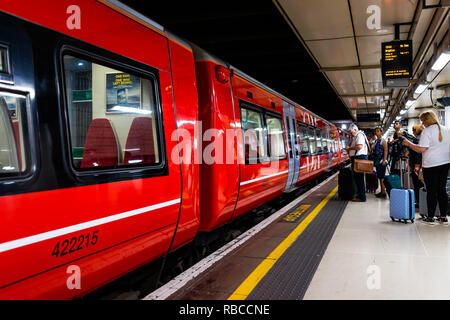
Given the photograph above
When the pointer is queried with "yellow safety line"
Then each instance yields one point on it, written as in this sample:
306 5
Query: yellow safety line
249 284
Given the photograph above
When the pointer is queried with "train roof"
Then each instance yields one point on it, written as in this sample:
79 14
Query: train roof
147 22
199 53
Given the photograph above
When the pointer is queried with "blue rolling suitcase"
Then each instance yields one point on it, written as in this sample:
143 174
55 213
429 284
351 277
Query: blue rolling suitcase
402 205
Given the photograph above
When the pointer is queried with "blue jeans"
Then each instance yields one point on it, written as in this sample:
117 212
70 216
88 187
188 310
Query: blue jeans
360 180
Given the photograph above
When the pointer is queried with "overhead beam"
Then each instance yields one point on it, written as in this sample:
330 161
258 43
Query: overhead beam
350 68
359 95
368 108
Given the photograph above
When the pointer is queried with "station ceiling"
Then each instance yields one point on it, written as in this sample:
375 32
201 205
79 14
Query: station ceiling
323 54
253 36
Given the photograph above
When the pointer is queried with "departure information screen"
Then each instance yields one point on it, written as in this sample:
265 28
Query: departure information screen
396 59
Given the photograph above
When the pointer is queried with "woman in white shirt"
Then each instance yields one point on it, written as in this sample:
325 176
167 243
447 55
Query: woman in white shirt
435 148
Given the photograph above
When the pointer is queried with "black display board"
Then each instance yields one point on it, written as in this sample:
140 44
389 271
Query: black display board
369 117
396 63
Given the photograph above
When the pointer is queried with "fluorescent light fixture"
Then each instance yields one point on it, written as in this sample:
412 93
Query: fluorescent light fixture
441 62
409 103
399 118
421 88
402 112
131 110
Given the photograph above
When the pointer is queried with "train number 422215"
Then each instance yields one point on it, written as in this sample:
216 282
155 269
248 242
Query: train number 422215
75 244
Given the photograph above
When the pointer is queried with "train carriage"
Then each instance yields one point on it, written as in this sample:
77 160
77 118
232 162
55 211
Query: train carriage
101 168
90 181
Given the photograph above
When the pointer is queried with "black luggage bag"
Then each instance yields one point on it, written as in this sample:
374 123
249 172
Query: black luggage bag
346 189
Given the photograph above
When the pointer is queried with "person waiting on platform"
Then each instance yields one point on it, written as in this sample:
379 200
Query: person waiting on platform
434 145
358 149
415 162
396 149
380 160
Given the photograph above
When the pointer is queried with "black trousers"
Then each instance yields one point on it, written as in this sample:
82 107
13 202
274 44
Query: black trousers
436 181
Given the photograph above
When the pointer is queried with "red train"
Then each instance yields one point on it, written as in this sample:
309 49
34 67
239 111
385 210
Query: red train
111 135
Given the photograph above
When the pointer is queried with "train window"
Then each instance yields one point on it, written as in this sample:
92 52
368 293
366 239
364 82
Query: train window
4 60
319 140
12 141
253 131
342 140
304 140
277 149
112 116
325 141
312 140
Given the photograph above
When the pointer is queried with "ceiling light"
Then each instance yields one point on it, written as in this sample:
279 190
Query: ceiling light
409 103
402 112
131 110
441 62
399 118
421 88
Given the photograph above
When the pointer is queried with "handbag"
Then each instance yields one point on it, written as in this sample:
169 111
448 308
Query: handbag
363 166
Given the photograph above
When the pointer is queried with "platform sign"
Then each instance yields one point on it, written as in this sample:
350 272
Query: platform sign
405 123
369 117
396 63
296 214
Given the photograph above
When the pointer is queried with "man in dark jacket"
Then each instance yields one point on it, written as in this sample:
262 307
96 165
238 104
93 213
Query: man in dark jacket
397 147
399 151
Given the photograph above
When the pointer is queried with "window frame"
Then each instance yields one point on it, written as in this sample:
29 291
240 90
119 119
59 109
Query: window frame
111 60
318 133
302 128
263 113
312 139
279 117
29 134
7 71
326 141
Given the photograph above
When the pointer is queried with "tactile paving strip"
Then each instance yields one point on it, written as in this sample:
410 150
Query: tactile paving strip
291 275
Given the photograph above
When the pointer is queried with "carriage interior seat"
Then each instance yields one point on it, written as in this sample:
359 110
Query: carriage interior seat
100 149
140 146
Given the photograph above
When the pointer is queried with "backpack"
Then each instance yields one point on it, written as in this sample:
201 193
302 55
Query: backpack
379 150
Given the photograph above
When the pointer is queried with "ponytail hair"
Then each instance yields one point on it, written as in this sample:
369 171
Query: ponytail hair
429 118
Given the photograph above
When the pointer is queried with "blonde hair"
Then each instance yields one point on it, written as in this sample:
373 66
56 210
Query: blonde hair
429 118
418 128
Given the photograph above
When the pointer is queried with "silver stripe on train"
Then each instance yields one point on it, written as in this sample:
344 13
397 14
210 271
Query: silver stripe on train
86 225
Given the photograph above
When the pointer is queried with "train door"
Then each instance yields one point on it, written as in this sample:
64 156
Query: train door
293 145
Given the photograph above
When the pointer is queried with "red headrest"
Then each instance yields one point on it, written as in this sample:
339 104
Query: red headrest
140 147
100 149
